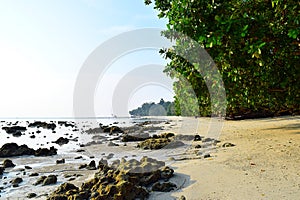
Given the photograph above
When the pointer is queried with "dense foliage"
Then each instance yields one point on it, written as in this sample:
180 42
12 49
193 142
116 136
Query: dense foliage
162 108
255 45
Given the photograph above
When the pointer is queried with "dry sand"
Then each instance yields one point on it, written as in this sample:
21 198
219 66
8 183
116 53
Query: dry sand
264 164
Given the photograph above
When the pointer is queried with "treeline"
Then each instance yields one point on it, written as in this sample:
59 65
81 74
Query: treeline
163 108
254 45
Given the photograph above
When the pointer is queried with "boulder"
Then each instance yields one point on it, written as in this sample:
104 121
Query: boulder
8 163
17 180
12 149
61 161
51 179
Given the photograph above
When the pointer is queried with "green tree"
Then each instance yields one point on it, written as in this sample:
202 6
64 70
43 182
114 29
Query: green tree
255 45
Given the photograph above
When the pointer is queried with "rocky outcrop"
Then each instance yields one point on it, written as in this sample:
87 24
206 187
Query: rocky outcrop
12 149
157 141
44 125
122 180
14 129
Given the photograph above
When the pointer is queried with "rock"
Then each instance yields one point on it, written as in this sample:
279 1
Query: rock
166 173
14 129
197 138
44 125
111 144
34 174
45 152
182 198
2 170
12 149
31 195
198 146
121 180
135 137
32 136
174 144
17 134
207 155
91 165
112 129
8 163
78 157
16 181
61 161
40 180
154 143
228 144
185 137
61 141
66 124
82 166
163 187
28 167
51 179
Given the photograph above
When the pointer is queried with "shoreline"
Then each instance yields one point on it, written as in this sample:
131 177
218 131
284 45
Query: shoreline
264 164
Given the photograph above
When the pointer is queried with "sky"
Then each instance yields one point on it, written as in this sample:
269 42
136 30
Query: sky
43 45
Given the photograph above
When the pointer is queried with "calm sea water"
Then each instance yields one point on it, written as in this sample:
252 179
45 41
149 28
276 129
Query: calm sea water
77 135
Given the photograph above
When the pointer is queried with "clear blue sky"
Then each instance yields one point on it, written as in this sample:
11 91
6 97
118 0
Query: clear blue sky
43 44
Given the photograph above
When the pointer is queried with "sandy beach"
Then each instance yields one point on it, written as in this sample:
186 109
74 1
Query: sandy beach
263 164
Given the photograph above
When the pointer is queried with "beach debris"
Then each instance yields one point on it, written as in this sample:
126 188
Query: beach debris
8 163
12 149
228 144
123 179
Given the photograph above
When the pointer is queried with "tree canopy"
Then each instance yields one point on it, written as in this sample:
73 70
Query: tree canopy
162 108
255 45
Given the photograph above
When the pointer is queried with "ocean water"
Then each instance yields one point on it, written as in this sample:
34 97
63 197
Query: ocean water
44 138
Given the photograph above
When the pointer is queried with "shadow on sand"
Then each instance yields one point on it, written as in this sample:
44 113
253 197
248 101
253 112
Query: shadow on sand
181 180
